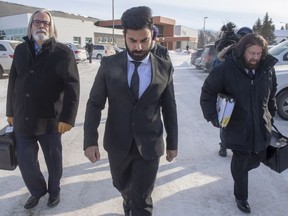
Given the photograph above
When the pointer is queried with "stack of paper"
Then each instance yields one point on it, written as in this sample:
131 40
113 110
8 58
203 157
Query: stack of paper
225 105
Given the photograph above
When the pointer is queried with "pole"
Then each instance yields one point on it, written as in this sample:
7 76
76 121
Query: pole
204 32
113 38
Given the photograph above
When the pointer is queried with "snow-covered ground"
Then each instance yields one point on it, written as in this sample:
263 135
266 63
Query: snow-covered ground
198 182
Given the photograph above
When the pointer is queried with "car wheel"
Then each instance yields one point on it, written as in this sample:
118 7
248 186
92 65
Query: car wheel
1 72
99 56
282 104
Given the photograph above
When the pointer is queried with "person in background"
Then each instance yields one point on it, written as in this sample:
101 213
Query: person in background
158 49
42 103
138 86
224 47
89 48
248 76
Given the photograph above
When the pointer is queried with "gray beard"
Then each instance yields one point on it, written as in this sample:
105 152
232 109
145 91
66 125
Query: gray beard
40 37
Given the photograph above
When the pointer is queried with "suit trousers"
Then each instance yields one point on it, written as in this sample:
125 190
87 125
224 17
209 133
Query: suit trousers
134 177
27 158
242 162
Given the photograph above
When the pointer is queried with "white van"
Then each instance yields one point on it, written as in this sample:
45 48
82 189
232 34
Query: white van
100 50
7 48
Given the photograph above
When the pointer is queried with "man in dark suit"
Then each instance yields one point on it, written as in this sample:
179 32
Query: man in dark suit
42 103
134 130
158 49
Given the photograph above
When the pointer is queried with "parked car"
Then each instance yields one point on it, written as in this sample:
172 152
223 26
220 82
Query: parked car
195 55
280 51
101 50
7 48
197 63
282 91
79 52
208 57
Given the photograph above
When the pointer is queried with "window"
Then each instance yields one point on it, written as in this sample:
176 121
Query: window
77 40
98 47
2 48
87 39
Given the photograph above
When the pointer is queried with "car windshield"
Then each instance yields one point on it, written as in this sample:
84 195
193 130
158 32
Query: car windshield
276 50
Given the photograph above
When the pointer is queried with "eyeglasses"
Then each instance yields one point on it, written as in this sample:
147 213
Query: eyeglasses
38 23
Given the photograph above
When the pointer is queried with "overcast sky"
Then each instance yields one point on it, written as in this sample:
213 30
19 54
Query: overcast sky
189 13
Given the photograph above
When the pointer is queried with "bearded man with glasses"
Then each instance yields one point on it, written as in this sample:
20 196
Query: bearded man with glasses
42 103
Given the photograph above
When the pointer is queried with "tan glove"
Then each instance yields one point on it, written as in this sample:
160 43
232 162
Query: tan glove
63 127
10 121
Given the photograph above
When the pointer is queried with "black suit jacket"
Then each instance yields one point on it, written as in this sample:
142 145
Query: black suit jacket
128 120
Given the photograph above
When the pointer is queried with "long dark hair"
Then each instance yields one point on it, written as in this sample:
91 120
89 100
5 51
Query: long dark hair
248 41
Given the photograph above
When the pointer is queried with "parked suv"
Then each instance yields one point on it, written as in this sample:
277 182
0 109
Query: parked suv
100 50
280 51
208 57
7 48
282 90
79 52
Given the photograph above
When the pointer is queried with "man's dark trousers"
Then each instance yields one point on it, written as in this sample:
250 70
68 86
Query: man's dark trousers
242 162
27 157
134 177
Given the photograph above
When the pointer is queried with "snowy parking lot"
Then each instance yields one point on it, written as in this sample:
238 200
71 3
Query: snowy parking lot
197 183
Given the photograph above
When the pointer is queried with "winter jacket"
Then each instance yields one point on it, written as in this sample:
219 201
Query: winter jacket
249 128
42 89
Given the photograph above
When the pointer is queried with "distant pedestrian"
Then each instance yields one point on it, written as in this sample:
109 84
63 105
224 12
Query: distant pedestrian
248 76
138 86
89 48
42 102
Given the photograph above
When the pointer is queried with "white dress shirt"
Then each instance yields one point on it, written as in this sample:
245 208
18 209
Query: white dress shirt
144 72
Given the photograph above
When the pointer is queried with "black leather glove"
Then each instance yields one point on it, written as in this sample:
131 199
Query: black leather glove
215 123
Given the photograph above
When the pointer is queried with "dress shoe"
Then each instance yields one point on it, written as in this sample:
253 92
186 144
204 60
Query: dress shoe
53 201
243 205
222 151
31 202
127 208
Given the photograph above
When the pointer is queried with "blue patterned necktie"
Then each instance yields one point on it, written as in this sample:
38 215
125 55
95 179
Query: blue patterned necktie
37 51
134 85
251 74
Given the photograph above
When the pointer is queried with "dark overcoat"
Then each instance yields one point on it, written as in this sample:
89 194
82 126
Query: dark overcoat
42 89
249 128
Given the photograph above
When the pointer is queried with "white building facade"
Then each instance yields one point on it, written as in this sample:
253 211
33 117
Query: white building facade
77 31
183 31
